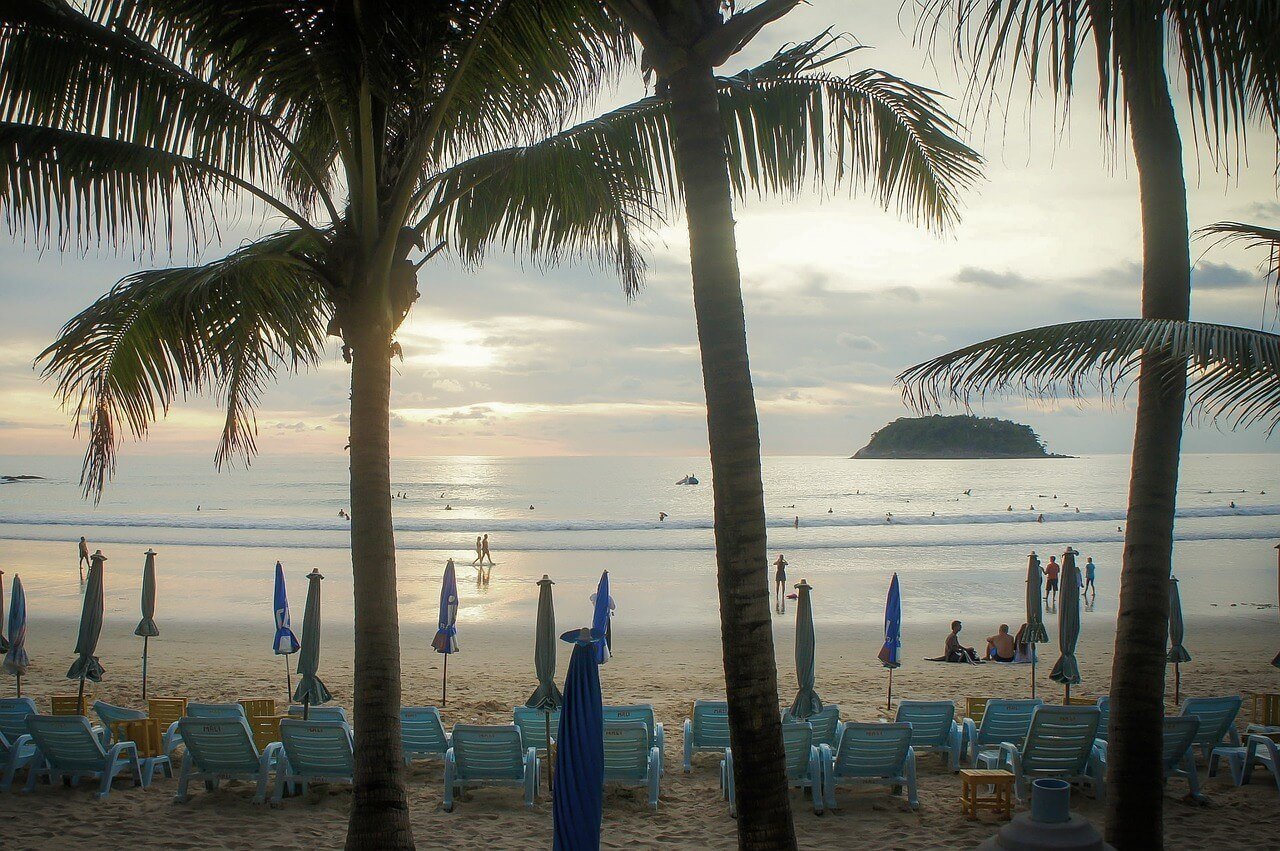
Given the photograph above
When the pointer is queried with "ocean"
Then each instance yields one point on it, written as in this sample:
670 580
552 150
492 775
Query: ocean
958 554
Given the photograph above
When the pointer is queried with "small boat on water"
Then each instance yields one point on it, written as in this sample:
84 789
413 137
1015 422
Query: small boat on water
690 479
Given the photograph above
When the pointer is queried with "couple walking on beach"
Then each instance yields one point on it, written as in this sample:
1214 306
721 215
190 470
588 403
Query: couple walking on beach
1052 572
482 553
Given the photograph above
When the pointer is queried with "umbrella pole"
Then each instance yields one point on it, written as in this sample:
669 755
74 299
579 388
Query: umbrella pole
888 703
1177 684
80 697
19 685
444 681
288 677
306 709
1033 672
145 639
1066 698
547 715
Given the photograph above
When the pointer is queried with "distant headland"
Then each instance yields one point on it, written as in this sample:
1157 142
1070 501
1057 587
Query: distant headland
964 436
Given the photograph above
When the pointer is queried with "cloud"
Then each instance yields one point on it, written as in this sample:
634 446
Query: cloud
1268 211
859 342
905 293
448 385
991 279
1221 276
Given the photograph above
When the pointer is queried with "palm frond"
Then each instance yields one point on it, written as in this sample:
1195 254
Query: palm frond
1252 236
225 328
1233 373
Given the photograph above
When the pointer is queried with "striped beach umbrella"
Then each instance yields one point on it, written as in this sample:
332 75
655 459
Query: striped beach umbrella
446 640
1036 633
285 642
1177 633
602 620
1067 669
15 660
311 689
891 652
807 701
578 796
86 666
147 626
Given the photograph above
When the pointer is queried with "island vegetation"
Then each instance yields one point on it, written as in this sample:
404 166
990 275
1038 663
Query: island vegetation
955 437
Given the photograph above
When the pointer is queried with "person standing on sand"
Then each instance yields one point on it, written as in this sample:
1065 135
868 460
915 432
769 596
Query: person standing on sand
84 554
484 549
780 584
1051 571
1089 570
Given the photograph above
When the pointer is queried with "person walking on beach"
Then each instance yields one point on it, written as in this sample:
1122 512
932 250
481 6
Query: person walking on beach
1051 571
1089 570
479 553
484 549
84 555
780 584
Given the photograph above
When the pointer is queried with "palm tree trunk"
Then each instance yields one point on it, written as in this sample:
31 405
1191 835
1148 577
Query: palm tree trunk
746 627
1135 793
379 809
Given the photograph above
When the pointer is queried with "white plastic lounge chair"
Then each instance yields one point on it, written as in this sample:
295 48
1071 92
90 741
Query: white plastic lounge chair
641 712
826 725
1257 750
1058 744
1002 721
1217 726
1104 720
223 749
422 733
313 751
707 731
532 724
870 753
629 759
17 750
933 728
67 746
173 736
112 715
804 766
489 756
1176 756
320 713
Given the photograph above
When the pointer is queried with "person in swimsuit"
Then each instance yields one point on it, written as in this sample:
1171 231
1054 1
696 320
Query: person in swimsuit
954 651
484 549
1001 646
479 553
780 583
84 553
1051 571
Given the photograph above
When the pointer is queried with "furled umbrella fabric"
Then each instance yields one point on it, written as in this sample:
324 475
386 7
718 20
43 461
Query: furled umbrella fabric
602 620
311 690
446 640
284 643
578 797
147 628
807 701
4 642
1067 669
547 695
1177 634
86 666
1036 633
15 660
1276 661
891 651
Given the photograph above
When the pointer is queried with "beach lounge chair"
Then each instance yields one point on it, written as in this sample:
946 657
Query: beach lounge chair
489 756
870 753
1176 757
17 750
173 737
826 725
707 731
320 713
641 712
1058 744
422 733
1217 726
629 759
804 765
1104 719
223 749
933 728
112 715
1257 750
67 746
314 751
1002 721
532 724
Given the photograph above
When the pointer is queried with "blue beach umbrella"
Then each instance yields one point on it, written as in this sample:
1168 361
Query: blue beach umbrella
602 620
1067 669
446 640
578 796
892 649
285 643
15 660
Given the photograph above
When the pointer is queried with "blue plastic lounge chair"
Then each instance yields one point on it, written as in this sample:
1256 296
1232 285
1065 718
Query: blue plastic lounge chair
640 712
1002 721
707 731
1104 721
173 737
1257 750
223 749
1177 758
629 759
1217 726
68 746
933 728
314 751
870 753
489 756
826 725
321 713
16 748
1058 744
804 765
532 724
112 715
422 733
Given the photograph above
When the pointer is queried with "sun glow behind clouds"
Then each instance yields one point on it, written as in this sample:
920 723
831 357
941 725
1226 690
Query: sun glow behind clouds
446 343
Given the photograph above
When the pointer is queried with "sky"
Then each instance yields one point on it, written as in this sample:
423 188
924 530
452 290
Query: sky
840 296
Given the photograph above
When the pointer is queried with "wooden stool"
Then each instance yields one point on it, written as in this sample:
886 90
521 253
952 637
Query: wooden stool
265 728
999 801
975 708
1266 709
147 736
65 704
258 706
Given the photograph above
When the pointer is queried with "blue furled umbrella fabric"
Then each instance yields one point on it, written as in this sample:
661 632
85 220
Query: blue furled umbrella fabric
891 651
285 642
15 660
602 620
4 642
446 640
578 797
1067 669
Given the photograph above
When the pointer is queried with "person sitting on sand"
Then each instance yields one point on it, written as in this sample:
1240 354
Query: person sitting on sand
954 651
1001 646
1024 650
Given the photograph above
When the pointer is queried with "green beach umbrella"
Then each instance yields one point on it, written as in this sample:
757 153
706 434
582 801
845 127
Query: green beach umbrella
1036 633
86 666
546 696
147 626
807 701
1067 669
311 690
1177 653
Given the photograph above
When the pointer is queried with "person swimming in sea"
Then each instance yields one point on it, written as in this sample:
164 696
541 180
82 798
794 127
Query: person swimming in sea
662 516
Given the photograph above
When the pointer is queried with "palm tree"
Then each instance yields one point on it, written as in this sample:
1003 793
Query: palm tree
1225 52
910 159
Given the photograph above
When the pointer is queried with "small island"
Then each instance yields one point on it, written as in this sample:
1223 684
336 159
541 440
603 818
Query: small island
965 436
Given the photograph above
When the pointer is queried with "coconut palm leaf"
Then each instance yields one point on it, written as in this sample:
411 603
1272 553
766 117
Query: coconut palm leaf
1251 236
1233 373
225 328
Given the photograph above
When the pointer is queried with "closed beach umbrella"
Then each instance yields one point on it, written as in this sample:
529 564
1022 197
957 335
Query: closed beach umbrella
4 642
1177 653
285 642
446 640
807 701
891 652
1067 670
602 620
86 666
578 796
1275 661
311 690
1036 633
15 660
547 695
147 626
